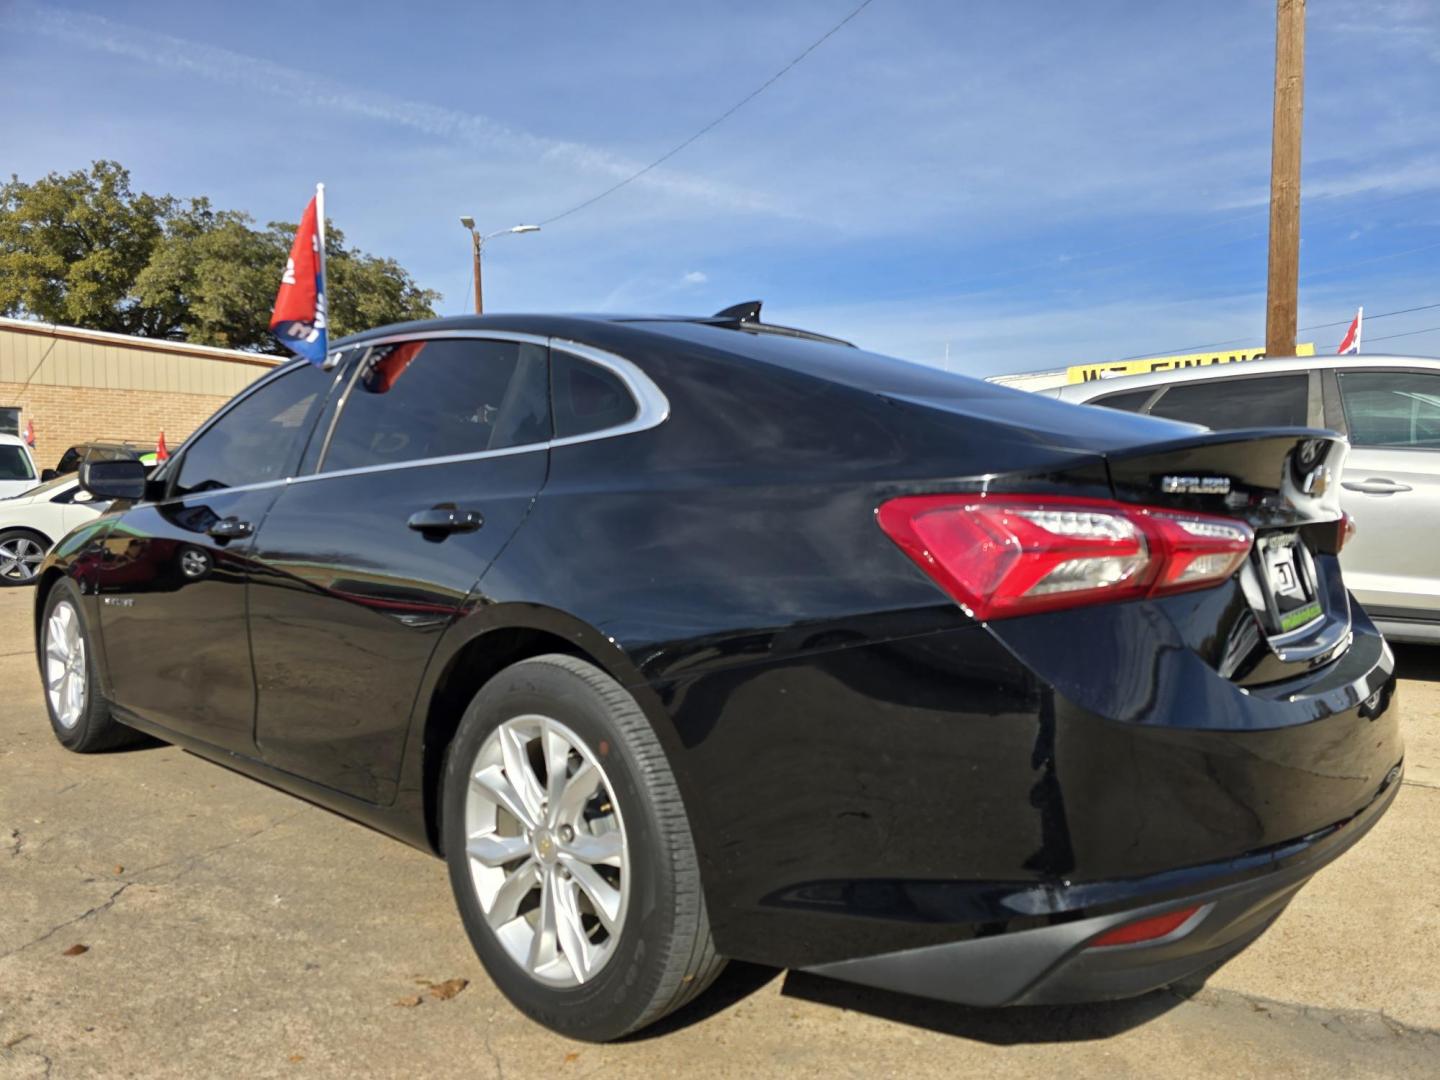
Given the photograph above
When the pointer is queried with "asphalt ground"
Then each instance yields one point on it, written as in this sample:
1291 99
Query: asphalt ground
232 930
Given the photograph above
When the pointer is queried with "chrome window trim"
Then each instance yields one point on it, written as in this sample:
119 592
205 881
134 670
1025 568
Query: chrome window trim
652 406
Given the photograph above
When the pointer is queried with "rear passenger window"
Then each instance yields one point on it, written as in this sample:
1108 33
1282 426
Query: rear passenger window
441 398
1130 401
587 397
1273 401
1392 408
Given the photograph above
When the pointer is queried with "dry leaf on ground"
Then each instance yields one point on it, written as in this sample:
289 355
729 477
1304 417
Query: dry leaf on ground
409 1001
448 989
76 950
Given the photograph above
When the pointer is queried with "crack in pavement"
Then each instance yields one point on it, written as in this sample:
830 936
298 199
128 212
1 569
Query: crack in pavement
96 910
1355 1023
9 1051
1420 784
191 862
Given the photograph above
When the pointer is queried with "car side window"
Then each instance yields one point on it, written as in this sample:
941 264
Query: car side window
587 397
1392 408
257 439
1270 401
441 398
1129 401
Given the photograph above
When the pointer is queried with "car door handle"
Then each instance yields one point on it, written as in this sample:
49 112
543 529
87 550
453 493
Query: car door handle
445 519
1376 485
230 529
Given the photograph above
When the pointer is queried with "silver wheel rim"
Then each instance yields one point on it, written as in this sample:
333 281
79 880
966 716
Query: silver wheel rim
547 850
65 674
20 559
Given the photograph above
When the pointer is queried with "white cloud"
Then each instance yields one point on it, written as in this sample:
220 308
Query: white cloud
695 277
97 33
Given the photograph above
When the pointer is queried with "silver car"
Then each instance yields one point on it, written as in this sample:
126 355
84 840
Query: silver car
1389 406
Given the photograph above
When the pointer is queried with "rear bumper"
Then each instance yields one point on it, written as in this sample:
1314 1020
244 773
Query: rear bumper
1057 964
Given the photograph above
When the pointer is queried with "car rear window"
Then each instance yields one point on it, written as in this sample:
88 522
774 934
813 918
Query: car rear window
1271 401
15 464
1392 408
1130 401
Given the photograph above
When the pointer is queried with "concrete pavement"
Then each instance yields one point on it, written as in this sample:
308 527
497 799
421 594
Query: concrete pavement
232 930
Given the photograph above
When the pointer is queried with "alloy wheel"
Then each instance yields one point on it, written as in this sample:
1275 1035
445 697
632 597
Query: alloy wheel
547 850
66 675
20 559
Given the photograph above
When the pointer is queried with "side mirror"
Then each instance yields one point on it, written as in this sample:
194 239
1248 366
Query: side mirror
113 479
46 475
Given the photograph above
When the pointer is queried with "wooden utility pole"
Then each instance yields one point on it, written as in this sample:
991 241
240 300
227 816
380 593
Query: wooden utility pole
1284 279
479 292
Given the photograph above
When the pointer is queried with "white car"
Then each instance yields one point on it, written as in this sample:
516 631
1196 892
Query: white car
32 522
17 467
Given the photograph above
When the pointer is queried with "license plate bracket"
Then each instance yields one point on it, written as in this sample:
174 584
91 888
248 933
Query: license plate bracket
1287 574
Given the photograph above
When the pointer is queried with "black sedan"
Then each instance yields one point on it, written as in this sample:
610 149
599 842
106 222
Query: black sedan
693 638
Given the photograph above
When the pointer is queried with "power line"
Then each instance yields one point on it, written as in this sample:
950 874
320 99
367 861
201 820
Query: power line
1408 333
1251 337
713 123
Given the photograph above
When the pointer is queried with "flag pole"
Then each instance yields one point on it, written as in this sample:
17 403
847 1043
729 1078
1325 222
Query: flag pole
324 278
1359 328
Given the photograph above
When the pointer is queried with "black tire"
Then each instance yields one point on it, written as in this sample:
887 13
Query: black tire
664 954
95 729
9 536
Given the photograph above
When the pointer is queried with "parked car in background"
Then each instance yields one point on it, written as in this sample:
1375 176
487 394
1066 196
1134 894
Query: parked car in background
32 522
1388 406
692 638
17 466
98 450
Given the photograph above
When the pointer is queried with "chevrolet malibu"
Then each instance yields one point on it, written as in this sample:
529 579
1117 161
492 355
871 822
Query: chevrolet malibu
685 639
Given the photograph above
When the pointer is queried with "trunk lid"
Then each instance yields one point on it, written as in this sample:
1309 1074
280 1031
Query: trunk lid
1285 484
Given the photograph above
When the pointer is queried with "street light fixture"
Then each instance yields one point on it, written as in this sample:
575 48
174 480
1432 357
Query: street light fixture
477 242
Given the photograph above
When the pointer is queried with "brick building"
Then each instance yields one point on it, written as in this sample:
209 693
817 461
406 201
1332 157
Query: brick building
76 385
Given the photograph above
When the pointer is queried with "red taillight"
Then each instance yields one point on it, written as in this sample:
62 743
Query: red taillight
1151 929
1344 531
1002 555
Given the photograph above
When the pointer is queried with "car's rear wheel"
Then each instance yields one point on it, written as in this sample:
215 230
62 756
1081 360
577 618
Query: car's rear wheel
79 714
21 553
570 853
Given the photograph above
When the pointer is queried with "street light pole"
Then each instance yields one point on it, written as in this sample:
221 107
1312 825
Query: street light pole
476 243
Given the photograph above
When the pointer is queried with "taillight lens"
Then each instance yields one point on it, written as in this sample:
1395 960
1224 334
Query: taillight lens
1003 555
1344 531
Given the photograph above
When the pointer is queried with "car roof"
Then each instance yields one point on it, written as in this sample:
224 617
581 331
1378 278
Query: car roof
12 440
1098 387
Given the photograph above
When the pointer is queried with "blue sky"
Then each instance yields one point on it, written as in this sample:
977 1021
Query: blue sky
1032 184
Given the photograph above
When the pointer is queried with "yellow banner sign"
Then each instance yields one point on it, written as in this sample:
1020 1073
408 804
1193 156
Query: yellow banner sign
1089 372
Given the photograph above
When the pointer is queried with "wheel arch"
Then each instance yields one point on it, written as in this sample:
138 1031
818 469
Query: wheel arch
476 649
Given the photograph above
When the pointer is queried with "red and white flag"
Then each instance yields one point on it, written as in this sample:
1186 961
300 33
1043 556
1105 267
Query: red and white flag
162 452
1350 343
299 319
30 434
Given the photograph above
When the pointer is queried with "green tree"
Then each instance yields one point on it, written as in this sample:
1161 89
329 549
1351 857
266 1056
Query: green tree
84 249
72 246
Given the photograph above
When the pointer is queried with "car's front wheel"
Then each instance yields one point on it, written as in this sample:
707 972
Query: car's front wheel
79 714
21 553
570 853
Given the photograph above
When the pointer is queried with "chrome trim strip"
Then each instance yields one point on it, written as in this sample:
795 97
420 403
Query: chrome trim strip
416 463
437 335
653 407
